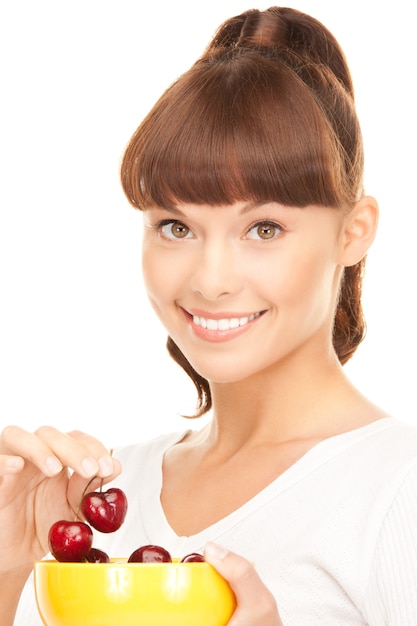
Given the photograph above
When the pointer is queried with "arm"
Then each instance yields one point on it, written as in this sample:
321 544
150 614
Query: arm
391 596
11 585
256 606
37 489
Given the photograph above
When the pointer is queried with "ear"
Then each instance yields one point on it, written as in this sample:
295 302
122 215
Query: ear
359 231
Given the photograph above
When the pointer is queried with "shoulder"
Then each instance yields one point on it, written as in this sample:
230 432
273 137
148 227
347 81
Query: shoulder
378 452
386 477
142 462
386 453
395 443
157 446
389 440
362 472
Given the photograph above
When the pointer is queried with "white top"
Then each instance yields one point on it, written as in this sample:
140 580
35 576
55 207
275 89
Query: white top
334 537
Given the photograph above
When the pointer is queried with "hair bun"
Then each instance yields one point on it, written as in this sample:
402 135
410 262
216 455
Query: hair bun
285 29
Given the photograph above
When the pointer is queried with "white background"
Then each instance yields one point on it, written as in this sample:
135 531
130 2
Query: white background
79 345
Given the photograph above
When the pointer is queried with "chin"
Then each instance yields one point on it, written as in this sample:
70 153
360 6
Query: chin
224 374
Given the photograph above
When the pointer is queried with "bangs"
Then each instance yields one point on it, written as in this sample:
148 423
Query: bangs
236 127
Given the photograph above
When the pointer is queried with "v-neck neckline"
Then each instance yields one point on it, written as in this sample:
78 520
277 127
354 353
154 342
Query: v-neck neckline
154 517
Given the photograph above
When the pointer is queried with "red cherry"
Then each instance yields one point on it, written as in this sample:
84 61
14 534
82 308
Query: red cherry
193 557
150 554
105 510
97 556
70 541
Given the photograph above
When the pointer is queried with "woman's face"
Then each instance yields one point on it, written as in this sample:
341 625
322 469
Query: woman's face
240 288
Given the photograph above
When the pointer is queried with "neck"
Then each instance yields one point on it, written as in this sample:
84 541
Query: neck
288 402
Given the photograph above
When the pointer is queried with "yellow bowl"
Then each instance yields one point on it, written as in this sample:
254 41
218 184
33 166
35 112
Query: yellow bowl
131 594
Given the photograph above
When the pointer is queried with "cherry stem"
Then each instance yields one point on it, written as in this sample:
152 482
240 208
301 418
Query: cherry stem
82 496
86 488
102 480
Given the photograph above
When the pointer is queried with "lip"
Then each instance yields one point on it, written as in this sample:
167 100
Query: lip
220 314
234 323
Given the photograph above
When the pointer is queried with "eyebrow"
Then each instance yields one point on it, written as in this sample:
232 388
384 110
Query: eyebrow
249 206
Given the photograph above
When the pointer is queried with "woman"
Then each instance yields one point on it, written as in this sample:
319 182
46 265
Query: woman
249 173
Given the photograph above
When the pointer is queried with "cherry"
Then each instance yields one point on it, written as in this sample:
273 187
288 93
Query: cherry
97 556
193 557
70 541
150 554
105 510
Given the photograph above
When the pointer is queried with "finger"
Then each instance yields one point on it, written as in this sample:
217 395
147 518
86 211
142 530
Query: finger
109 466
256 606
10 464
16 441
85 454
51 450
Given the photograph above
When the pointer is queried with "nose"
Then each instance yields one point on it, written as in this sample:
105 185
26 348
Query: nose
217 271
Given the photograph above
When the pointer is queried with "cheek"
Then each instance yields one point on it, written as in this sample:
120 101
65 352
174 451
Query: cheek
153 275
163 276
299 280
315 285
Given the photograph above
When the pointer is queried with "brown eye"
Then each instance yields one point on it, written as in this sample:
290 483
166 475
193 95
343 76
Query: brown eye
179 230
175 230
264 230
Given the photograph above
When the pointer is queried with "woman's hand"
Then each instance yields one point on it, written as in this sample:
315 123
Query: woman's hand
256 606
10 464
37 487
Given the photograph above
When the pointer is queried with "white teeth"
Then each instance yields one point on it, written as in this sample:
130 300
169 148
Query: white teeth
203 322
225 323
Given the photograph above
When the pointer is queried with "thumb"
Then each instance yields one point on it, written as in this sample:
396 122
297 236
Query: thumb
256 606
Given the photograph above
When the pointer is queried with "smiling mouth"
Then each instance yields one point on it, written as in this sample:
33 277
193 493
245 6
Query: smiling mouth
224 323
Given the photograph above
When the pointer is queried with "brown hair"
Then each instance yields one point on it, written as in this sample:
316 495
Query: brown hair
266 114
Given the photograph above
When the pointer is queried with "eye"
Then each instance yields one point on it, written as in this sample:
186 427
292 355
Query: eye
264 230
172 229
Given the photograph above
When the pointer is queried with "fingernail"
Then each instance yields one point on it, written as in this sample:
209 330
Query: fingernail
53 465
106 465
215 551
89 466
